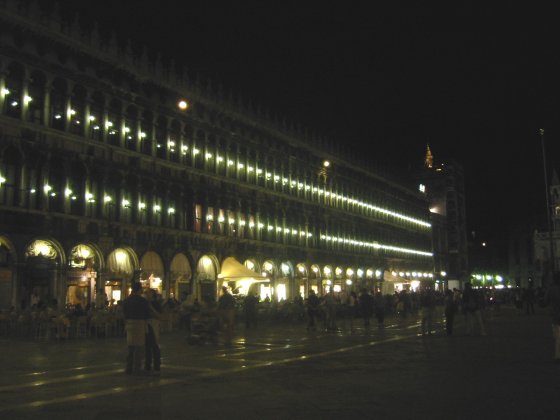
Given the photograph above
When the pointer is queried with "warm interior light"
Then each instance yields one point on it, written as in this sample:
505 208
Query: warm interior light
182 104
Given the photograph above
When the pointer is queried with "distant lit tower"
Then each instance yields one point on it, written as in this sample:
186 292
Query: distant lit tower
429 161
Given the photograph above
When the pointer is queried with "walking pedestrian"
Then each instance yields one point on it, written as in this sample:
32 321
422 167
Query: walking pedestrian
552 298
379 306
136 312
250 310
226 311
450 310
153 353
471 309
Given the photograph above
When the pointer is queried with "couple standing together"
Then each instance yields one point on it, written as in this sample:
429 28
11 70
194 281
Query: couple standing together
142 329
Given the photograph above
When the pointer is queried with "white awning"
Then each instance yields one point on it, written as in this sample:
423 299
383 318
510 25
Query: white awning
234 270
388 276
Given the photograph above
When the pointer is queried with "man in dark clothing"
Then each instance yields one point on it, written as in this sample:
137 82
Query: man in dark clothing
365 302
552 298
153 353
226 309
312 310
136 312
250 310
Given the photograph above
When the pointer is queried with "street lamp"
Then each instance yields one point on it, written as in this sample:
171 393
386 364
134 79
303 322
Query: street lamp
548 208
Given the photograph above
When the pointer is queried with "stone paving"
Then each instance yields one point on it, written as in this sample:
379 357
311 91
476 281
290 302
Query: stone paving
284 372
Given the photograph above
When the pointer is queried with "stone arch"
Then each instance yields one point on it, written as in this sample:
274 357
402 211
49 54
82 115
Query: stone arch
180 273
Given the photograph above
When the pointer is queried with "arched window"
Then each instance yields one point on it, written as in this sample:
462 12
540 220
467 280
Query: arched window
146 132
95 118
77 111
161 137
113 124
131 128
13 91
58 104
174 140
36 98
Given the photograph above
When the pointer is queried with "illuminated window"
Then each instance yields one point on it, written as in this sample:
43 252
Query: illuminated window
210 220
198 218
221 221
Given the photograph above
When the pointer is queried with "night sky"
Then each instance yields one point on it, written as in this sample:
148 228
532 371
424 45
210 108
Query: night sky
476 83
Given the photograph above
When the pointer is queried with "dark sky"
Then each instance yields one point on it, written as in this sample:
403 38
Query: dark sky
475 82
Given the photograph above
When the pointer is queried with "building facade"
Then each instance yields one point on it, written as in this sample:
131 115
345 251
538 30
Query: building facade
444 186
115 168
546 244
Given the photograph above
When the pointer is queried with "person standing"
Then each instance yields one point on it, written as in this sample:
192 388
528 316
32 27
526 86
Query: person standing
330 305
313 303
136 313
552 298
153 353
226 309
530 300
471 308
428 302
366 306
351 308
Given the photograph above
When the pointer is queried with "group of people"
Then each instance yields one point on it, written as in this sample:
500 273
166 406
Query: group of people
142 314
328 307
